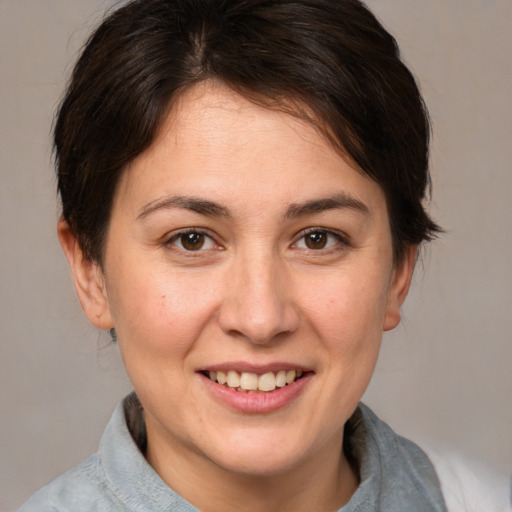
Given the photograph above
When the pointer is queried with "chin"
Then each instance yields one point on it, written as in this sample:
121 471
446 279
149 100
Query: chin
250 453
259 467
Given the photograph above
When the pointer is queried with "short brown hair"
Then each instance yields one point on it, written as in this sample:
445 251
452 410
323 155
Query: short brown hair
331 56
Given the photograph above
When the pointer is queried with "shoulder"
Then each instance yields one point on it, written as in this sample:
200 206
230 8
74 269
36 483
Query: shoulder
86 487
395 451
471 486
82 489
462 485
395 472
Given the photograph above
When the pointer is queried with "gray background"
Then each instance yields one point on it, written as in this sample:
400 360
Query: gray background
444 376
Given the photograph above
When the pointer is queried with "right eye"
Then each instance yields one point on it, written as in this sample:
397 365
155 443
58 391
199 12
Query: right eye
192 240
319 239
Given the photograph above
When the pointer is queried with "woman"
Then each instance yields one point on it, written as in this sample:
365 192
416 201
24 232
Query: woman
242 187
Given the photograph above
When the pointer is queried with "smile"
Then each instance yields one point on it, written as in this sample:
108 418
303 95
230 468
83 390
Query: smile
248 382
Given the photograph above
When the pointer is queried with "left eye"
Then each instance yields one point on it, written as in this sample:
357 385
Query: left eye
318 239
192 241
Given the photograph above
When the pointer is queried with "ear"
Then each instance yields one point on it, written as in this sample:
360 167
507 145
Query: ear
88 278
399 287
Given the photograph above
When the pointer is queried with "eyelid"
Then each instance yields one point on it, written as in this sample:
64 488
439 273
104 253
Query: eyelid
341 237
175 235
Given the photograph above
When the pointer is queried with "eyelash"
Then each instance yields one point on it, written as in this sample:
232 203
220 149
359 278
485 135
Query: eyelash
341 240
178 237
208 239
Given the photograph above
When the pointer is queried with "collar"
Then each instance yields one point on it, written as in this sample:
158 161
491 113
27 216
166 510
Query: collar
395 474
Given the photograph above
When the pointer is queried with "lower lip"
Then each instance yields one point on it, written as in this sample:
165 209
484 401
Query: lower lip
257 403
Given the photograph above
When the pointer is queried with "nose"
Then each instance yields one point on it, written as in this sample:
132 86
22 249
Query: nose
258 304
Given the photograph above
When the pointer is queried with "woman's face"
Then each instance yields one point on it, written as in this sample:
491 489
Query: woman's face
242 245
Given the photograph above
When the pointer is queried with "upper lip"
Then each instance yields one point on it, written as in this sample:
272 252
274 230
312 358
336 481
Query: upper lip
242 366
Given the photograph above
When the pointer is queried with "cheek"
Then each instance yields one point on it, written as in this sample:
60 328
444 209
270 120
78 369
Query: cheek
348 307
162 315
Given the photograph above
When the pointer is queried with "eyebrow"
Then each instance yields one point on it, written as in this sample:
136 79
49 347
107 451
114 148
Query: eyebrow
295 210
202 206
338 201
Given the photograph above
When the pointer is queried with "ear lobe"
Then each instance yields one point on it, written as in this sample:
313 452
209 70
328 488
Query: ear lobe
88 279
399 288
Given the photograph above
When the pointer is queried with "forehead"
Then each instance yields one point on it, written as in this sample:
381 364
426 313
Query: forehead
219 142
213 115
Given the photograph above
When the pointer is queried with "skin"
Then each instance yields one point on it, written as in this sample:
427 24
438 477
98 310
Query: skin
257 291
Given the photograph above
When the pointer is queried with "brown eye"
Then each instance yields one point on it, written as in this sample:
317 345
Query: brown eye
320 239
192 241
316 240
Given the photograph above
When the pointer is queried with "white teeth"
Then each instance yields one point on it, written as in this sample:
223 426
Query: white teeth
267 382
281 379
290 376
249 381
252 382
233 379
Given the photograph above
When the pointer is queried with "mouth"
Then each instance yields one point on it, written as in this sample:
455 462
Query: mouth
249 382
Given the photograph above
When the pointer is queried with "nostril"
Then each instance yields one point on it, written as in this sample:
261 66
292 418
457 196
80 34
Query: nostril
265 328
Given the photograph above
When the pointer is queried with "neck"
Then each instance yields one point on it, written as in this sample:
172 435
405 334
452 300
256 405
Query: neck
323 482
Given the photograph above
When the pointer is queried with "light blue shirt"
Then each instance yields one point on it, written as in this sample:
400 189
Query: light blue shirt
395 475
